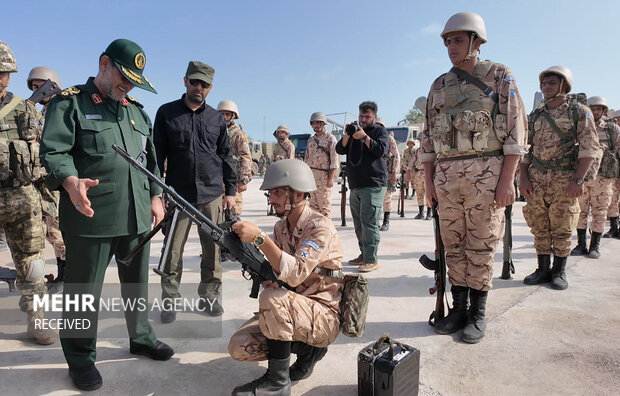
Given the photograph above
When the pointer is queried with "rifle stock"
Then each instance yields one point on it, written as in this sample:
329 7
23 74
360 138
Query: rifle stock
401 197
48 89
438 266
508 266
253 263
343 194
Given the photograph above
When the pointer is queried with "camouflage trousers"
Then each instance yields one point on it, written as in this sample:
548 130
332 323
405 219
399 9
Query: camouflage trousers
595 198
471 225
419 187
239 203
320 200
614 206
387 200
409 178
22 220
286 316
54 236
550 214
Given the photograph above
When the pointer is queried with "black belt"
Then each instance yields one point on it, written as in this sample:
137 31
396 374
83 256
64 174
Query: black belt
485 154
319 169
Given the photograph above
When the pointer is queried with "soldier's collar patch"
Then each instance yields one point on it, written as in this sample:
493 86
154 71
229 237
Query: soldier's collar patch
96 98
311 244
125 102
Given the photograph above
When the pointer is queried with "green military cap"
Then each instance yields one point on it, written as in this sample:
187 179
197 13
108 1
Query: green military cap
200 71
129 58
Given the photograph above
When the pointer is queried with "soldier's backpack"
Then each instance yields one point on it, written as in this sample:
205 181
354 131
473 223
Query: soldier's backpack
610 167
354 305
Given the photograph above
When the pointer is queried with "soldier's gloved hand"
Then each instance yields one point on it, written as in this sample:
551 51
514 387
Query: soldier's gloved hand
77 188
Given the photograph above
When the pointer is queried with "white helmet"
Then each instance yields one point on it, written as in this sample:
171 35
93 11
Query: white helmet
598 101
560 70
43 73
228 105
318 116
467 22
291 173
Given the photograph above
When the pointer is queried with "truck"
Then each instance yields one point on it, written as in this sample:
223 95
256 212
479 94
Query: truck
402 133
301 142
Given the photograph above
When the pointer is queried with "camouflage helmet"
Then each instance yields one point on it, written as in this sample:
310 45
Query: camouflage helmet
380 121
598 101
7 59
318 116
228 105
43 73
420 104
281 128
559 70
292 173
466 22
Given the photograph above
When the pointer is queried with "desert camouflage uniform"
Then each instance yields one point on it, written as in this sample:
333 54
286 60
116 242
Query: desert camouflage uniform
20 211
406 167
418 179
598 193
242 158
283 149
311 313
321 157
393 161
614 206
550 214
471 225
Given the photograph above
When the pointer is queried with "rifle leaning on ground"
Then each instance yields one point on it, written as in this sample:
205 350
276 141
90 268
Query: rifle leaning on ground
439 267
508 266
343 194
401 196
253 263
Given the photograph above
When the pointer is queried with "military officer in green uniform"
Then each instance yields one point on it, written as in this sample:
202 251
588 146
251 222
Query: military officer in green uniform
105 206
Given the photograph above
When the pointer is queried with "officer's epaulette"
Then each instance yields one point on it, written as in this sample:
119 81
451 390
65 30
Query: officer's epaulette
67 93
134 101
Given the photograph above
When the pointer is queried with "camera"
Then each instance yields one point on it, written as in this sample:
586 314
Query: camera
351 128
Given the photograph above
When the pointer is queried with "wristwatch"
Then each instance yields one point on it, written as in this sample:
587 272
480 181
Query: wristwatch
259 239
245 181
578 180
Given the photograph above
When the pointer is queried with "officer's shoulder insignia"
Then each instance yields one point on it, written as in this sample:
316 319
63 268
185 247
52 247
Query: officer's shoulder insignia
133 100
71 91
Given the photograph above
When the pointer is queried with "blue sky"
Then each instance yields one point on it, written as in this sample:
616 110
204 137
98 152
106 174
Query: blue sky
283 60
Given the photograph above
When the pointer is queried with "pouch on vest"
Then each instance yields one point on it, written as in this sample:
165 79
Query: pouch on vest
483 126
20 161
441 133
610 168
354 305
464 123
5 169
501 127
26 126
38 171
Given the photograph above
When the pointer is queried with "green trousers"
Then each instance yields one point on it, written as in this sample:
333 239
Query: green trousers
210 264
87 260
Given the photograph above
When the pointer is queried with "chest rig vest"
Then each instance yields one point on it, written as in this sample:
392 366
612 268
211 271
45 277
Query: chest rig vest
469 124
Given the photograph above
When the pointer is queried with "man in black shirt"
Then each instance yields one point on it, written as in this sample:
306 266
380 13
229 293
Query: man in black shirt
194 153
366 150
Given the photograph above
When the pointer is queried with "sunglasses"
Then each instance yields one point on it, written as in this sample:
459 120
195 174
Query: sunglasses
202 83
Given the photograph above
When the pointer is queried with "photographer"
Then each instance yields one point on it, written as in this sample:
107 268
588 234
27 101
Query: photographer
366 144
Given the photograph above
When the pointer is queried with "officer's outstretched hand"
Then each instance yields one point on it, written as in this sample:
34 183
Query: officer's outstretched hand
77 188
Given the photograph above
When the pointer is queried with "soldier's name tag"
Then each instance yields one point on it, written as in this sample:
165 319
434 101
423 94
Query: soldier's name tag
93 116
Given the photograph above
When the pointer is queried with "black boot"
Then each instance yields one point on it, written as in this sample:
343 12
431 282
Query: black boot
56 286
386 222
542 273
613 228
457 316
406 192
307 357
276 380
595 243
429 213
558 273
476 325
421 214
581 249
412 193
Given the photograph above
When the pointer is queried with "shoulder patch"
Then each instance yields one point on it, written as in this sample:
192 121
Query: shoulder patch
311 244
134 101
74 90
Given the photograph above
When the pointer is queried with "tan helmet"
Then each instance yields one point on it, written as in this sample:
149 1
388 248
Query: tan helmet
281 128
228 105
598 101
560 70
380 121
7 59
420 104
318 116
467 22
410 140
43 73
292 173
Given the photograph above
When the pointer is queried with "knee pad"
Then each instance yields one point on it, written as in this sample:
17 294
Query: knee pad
35 271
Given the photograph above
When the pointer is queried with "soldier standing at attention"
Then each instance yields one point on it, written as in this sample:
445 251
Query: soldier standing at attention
597 193
393 165
407 169
475 130
240 148
563 145
106 207
417 169
284 148
322 158
20 213
37 77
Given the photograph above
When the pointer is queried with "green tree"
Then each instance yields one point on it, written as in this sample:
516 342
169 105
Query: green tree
414 116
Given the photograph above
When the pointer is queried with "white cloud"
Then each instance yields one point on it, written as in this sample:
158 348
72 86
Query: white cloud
433 28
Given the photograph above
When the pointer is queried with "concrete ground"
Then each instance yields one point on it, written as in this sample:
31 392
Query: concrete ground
539 341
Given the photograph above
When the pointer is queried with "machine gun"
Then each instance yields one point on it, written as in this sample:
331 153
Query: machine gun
343 194
508 266
48 89
401 196
439 267
8 275
253 263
